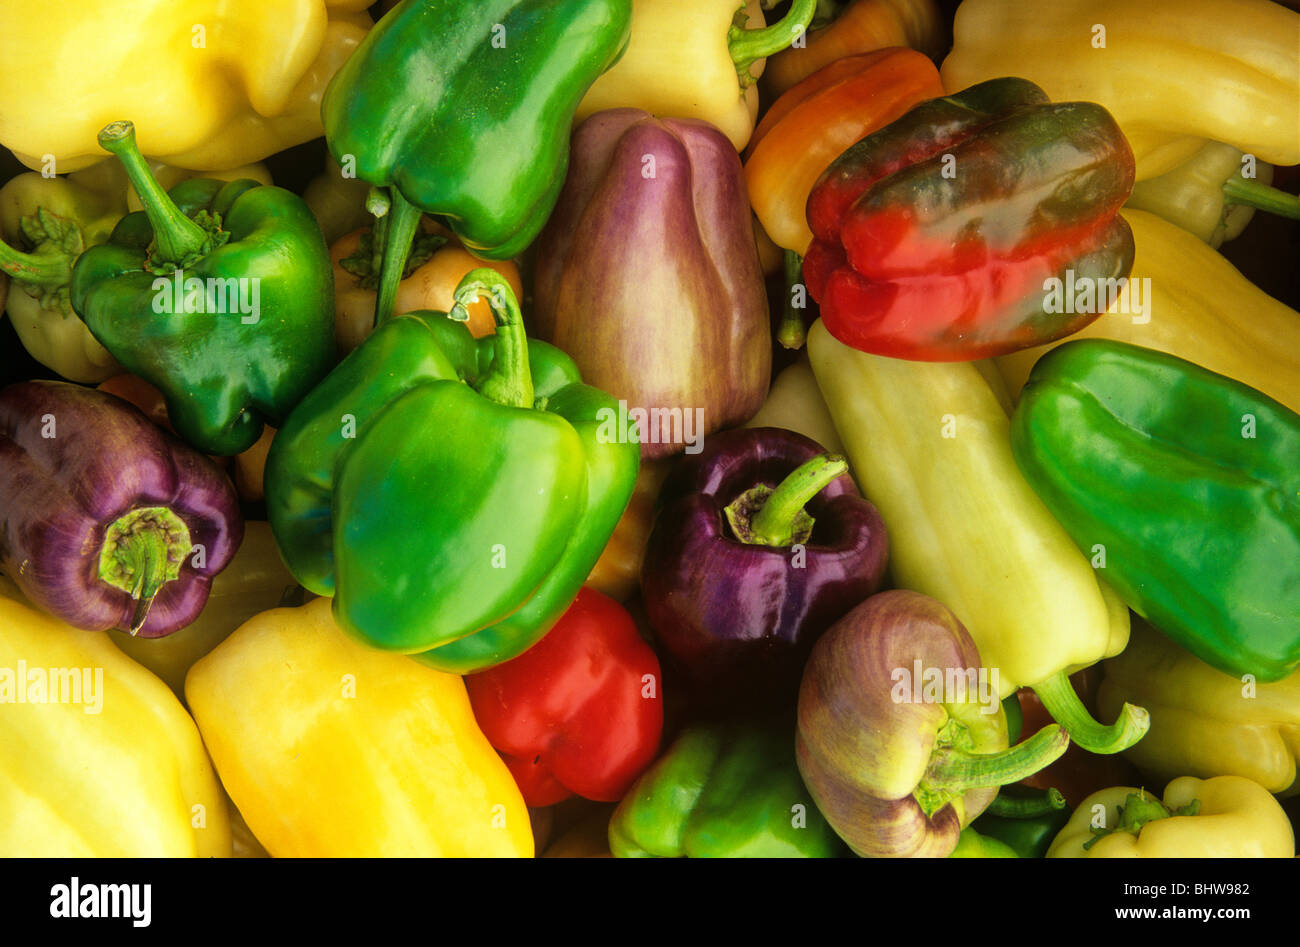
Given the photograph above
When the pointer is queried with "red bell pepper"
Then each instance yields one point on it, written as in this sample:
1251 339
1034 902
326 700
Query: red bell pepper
580 712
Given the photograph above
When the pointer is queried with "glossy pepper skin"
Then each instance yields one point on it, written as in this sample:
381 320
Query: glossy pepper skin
238 349
738 603
1156 461
1026 838
120 772
109 522
934 236
1204 722
1225 817
333 749
483 459
581 711
723 790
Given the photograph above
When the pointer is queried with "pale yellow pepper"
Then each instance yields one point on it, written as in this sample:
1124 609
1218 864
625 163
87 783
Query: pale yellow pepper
332 749
209 84
112 768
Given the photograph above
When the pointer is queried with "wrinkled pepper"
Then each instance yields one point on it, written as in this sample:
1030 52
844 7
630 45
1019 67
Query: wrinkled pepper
500 471
213 85
723 790
1186 299
332 749
930 443
218 294
1223 817
581 711
935 237
97 757
1173 72
816 121
1154 468
480 138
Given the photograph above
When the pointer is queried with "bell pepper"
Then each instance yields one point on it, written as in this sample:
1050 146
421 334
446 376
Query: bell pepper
761 543
109 521
723 790
338 203
653 220
332 749
796 404
97 757
1223 817
809 126
1209 195
970 844
1142 61
1028 826
502 472
1204 722
699 62
930 443
617 573
480 138
1185 299
935 237
254 581
213 85
897 764
581 711
220 295
1166 490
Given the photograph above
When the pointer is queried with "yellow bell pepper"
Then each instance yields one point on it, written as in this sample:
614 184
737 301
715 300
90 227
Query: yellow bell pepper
685 61
1185 299
1233 818
333 749
97 757
930 446
208 84
1204 722
1172 72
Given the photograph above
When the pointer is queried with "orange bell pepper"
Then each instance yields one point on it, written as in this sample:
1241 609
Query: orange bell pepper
812 124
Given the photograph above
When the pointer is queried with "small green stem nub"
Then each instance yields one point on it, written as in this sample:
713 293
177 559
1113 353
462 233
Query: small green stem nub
749 46
791 333
1060 700
953 771
143 550
176 237
1026 807
403 219
781 520
1238 190
1137 811
50 267
509 379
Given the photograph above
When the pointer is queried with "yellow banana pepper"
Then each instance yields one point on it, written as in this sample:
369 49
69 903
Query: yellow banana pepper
97 757
1172 72
1204 722
1184 298
208 84
929 444
1223 817
329 748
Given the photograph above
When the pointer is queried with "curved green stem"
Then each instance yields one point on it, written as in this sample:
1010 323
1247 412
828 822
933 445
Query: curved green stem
1026 807
403 219
780 518
508 380
791 333
51 267
176 237
749 46
1238 190
143 550
953 771
1060 700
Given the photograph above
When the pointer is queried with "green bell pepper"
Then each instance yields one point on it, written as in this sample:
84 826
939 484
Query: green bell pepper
724 790
1025 823
219 294
1183 485
462 108
451 494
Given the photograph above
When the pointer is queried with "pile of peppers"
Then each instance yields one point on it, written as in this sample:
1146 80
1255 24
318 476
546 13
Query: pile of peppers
748 428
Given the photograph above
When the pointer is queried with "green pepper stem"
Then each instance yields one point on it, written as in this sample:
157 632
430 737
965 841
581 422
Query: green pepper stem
143 551
1238 190
403 219
1026 807
176 237
509 379
791 333
47 267
774 523
749 46
953 771
1060 700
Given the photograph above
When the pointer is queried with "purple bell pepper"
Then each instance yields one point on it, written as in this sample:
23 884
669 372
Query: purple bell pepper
108 521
